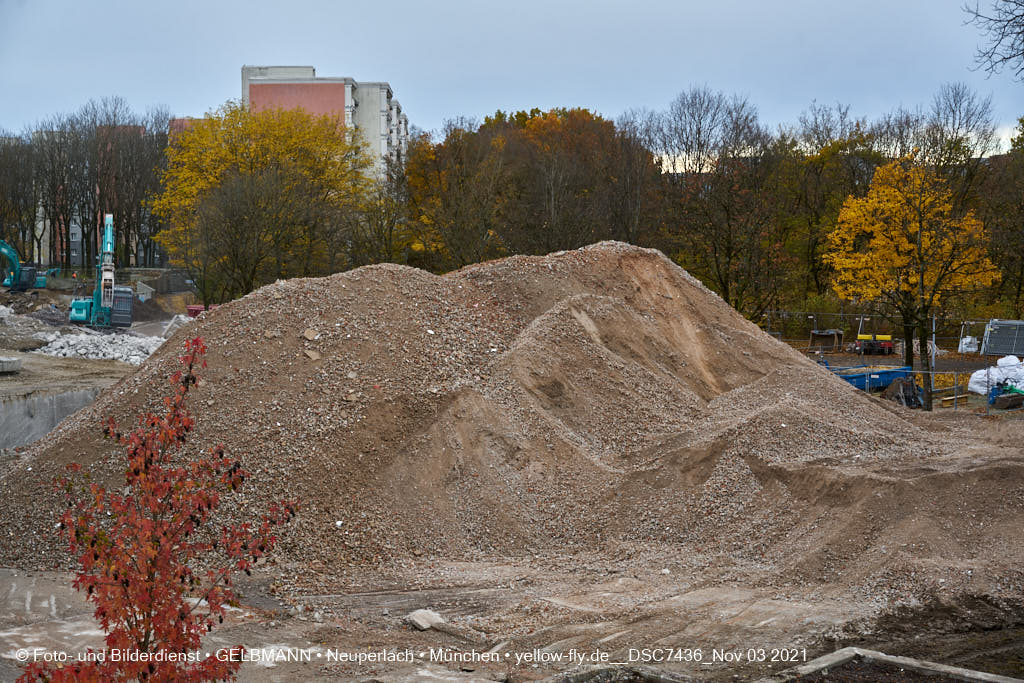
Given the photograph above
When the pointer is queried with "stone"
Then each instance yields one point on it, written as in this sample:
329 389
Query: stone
424 619
310 334
313 355
9 365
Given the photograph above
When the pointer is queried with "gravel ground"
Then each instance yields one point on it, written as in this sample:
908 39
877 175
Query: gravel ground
588 410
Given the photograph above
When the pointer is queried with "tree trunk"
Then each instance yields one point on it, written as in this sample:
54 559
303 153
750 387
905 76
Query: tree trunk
908 342
926 364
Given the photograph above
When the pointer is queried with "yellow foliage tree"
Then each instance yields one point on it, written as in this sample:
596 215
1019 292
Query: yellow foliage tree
903 247
250 197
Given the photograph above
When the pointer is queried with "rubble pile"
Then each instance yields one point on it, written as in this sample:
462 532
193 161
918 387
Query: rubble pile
598 400
127 348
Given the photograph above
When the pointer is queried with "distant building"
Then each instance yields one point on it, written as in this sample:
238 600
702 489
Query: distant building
369 108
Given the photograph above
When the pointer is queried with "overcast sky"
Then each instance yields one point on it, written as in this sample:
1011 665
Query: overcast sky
447 58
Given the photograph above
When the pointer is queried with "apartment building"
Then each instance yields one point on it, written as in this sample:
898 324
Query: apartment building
369 108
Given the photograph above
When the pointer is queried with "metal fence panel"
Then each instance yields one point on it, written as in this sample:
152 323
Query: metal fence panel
1003 338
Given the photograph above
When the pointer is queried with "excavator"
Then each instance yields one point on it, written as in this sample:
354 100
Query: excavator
110 304
17 277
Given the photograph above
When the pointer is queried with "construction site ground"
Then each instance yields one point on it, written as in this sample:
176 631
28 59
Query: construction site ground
42 313
585 454
563 605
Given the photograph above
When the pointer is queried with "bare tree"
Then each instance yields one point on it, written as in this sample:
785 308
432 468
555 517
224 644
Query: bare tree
898 133
19 197
379 231
953 136
692 130
959 135
823 125
245 222
139 155
59 157
636 178
1002 25
721 161
834 157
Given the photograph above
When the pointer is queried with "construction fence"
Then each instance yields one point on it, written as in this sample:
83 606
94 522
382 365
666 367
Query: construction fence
990 391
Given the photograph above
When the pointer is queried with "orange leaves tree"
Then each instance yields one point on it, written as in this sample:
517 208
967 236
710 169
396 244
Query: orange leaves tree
905 248
158 576
251 197
529 183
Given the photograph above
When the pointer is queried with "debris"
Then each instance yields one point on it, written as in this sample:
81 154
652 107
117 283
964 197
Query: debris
616 428
128 348
424 619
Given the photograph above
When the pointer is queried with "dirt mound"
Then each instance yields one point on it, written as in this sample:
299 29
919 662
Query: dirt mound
148 311
594 398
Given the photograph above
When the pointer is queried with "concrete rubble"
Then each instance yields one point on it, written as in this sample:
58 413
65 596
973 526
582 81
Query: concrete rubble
424 619
127 348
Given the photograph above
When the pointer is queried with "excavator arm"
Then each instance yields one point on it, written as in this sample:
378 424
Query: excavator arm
12 273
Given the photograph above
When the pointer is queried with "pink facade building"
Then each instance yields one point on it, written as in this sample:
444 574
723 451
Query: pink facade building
368 108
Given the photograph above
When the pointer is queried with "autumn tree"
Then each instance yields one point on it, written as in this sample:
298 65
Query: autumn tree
532 182
1002 206
574 178
834 158
303 173
721 163
904 247
453 191
555 174
953 136
381 230
158 575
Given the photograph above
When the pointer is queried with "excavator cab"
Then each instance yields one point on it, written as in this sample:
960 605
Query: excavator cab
26 280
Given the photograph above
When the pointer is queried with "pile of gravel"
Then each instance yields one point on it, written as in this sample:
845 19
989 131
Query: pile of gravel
127 348
565 404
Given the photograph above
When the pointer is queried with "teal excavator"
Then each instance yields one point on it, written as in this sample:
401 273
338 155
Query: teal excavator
17 277
110 304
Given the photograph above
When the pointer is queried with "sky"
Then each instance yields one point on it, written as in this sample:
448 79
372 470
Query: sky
452 58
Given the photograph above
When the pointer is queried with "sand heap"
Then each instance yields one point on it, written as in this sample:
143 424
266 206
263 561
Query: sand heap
535 404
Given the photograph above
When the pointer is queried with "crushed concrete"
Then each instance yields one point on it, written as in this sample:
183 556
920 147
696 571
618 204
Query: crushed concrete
126 348
424 619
